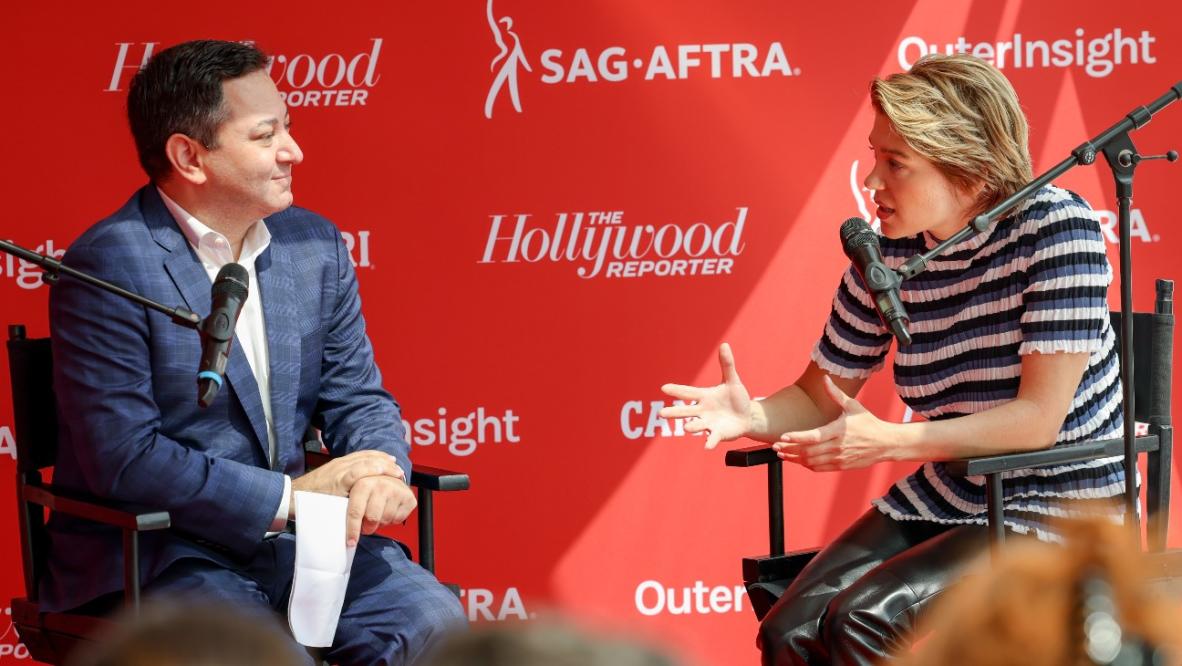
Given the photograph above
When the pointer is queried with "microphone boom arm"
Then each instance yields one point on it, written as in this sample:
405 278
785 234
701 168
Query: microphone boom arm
54 268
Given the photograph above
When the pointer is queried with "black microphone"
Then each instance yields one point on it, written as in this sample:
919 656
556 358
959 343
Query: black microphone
217 331
860 244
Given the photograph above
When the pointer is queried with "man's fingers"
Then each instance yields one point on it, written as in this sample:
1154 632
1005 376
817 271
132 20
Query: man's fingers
696 426
375 510
404 509
726 360
357 469
390 510
400 502
355 514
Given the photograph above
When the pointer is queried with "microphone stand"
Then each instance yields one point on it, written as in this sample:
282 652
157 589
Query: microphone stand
1123 158
54 269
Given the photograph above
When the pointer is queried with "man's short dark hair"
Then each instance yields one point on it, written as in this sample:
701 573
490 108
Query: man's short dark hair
180 91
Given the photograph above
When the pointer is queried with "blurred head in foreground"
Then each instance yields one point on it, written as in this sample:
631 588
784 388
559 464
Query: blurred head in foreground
540 644
1090 602
196 635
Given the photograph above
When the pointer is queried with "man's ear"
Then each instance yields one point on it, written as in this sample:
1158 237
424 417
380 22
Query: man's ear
187 157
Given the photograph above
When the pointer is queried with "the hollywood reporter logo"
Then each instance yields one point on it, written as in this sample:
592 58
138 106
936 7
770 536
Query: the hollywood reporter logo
603 244
303 79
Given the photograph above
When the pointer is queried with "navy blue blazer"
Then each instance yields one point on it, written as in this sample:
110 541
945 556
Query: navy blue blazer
125 380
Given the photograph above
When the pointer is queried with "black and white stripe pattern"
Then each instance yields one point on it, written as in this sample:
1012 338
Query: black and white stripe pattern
1035 283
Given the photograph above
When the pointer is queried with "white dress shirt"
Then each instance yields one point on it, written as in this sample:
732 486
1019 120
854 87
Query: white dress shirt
214 251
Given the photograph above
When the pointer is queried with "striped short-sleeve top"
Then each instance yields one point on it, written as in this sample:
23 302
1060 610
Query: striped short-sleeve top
1036 282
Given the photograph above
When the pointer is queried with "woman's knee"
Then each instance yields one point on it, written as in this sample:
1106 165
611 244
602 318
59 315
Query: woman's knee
788 634
871 619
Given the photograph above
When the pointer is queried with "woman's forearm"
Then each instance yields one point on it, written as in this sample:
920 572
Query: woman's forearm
1018 425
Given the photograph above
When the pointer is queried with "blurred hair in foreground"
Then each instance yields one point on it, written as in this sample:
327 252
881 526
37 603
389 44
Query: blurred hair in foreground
1090 601
541 643
171 634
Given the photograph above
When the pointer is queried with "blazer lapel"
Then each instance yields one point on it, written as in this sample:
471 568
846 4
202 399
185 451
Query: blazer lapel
191 280
281 317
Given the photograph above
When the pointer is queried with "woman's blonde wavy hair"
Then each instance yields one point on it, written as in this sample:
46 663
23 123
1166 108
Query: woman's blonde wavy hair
961 113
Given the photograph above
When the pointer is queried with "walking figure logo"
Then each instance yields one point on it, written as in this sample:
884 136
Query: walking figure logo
509 58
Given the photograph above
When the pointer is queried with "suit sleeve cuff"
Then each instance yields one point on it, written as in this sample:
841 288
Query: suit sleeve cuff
280 520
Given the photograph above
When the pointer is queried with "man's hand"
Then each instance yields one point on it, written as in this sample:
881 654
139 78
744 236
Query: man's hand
341 476
375 501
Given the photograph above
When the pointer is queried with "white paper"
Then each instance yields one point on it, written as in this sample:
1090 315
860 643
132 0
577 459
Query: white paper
322 565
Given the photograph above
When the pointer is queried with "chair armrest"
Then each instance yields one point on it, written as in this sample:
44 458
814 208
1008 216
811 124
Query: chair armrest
314 459
784 567
437 478
751 456
98 511
1058 455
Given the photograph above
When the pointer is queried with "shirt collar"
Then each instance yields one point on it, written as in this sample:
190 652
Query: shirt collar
213 246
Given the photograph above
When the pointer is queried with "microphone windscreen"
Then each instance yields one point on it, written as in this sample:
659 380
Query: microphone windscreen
232 279
851 228
856 233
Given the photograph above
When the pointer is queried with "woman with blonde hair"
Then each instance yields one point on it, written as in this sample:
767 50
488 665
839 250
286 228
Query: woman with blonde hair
1011 350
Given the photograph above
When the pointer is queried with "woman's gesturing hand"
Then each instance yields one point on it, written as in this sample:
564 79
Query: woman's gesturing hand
722 411
856 438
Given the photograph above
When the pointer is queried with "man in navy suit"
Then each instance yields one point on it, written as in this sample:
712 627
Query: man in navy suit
212 132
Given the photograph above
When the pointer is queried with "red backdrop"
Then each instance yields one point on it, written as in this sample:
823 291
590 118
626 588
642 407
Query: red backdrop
730 134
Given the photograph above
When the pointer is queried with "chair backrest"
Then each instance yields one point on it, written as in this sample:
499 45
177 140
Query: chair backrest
34 410
1153 356
34 407
1153 365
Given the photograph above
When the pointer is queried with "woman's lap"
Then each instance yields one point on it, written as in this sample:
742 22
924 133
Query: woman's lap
858 598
